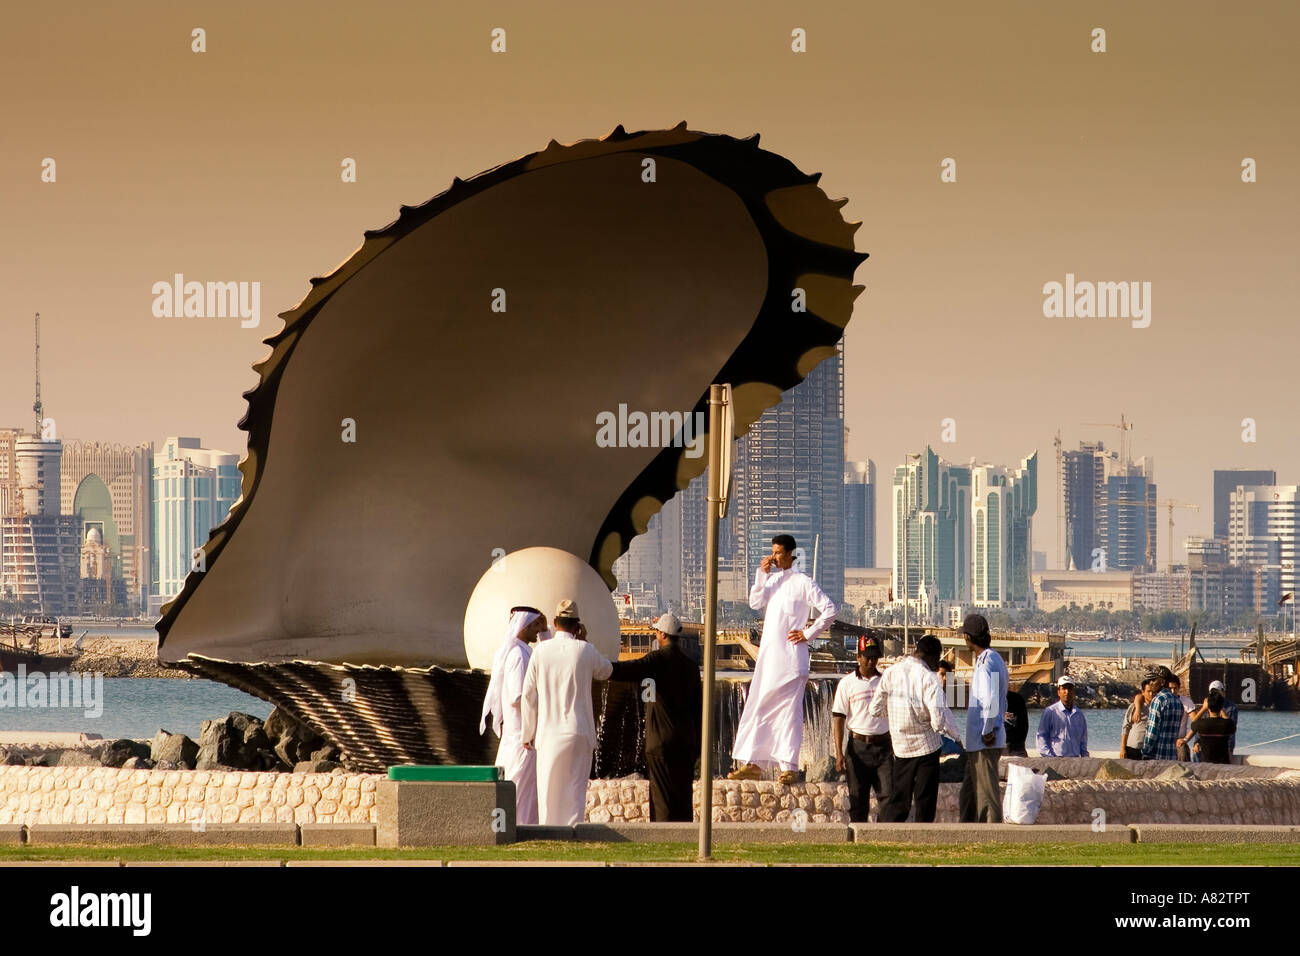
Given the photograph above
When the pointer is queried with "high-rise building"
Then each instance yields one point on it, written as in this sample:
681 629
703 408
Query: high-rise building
1003 503
110 487
39 547
789 479
860 514
1163 590
9 470
1215 585
1226 480
1264 535
932 528
193 490
1129 518
652 567
40 561
1083 488
693 510
38 474
964 532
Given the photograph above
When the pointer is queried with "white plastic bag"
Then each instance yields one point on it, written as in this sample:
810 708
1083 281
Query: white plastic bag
1024 796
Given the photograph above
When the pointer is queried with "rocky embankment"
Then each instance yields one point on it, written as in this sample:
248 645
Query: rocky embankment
236 742
114 658
1101 683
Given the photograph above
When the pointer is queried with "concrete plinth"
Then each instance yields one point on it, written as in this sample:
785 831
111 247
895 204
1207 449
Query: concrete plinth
637 832
1208 833
338 834
420 813
264 864
726 833
363 863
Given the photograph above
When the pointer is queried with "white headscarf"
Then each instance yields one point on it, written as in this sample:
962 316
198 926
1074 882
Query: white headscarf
492 702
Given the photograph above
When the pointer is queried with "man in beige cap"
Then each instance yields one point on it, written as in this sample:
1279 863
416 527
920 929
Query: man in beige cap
671 687
557 717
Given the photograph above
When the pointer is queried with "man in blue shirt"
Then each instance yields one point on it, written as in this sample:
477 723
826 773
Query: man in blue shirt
980 800
1063 730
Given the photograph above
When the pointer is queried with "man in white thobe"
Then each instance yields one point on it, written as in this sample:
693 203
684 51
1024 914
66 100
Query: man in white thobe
771 725
557 717
503 702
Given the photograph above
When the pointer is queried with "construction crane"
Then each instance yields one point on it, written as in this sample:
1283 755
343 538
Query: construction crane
1171 505
1061 542
1124 427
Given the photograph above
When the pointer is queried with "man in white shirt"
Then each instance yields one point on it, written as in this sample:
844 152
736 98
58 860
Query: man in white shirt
557 717
980 800
771 725
503 701
912 696
868 759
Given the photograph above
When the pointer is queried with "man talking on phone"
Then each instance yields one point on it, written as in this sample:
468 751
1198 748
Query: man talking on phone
771 725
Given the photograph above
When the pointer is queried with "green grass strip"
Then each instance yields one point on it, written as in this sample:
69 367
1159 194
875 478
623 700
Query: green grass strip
978 854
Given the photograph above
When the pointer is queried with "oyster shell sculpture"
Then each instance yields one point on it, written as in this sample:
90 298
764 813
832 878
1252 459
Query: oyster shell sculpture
471 349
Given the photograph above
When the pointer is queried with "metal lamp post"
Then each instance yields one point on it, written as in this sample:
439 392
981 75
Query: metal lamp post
721 431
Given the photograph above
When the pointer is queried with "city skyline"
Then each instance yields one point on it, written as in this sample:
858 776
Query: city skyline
1202 527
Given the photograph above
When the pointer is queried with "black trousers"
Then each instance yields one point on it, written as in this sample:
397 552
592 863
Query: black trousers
1132 753
868 767
672 779
913 779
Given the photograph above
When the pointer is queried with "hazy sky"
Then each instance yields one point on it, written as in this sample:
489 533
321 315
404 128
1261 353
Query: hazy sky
1115 166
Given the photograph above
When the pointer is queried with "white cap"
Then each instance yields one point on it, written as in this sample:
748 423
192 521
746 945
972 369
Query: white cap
1066 680
669 624
1218 685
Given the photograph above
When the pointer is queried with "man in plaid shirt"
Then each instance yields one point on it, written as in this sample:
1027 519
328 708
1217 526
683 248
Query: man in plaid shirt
911 695
1164 720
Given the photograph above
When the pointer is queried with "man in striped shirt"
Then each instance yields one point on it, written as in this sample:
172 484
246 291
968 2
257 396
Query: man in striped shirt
1164 720
912 696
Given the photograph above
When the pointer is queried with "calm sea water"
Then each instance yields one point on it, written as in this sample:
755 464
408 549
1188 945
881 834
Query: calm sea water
139 707
1255 727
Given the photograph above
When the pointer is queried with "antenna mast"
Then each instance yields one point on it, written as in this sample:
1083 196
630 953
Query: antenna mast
38 408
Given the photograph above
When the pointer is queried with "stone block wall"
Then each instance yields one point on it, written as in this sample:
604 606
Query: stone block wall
1242 800
90 795
104 795
738 801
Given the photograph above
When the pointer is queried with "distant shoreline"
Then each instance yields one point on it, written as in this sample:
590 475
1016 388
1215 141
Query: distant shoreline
113 657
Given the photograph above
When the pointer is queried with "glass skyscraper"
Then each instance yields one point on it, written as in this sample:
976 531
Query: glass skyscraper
193 489
1129 519
860 514
964 531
